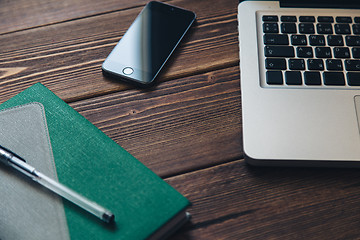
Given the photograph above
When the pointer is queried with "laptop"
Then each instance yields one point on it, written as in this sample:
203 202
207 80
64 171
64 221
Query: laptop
300 82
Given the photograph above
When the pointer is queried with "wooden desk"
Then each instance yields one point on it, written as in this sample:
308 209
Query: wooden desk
187 128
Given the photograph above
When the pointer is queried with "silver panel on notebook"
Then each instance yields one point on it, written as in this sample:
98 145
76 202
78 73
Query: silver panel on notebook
294 124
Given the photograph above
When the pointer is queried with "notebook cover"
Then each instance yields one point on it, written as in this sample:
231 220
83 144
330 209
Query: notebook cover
24 205
92 164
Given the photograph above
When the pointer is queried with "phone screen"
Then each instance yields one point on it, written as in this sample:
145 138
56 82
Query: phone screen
148 43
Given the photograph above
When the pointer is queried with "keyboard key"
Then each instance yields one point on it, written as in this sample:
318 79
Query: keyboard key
324 28
341 52
307 28
334 78
298 40
276 39
335 40
325 19
334 64
279 51
307 19
342 29
274 77
353 78
270 28
343 19
312 78
296 64
323 52
317 40
288 18
357 19
352 65
288 28
275 63
352 40
270 18
304 52
356 52
356 28
315 64
293 78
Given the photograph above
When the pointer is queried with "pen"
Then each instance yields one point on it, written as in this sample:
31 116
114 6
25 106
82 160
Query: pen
11 159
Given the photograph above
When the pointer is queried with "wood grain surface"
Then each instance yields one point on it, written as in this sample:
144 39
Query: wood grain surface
187 128
187 123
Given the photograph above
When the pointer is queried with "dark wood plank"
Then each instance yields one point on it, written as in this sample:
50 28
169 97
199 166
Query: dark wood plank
235 201
185 124
16 15
67 57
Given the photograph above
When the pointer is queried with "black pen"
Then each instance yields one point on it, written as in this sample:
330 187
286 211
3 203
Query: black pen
11 159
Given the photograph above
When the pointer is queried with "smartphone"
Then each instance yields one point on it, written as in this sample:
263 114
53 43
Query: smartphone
148 43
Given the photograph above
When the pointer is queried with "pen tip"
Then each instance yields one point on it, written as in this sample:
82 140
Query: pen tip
108 217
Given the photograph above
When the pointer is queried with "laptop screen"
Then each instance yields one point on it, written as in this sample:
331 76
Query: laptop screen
321 3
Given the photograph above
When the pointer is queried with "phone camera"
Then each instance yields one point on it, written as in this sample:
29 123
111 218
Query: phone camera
172 9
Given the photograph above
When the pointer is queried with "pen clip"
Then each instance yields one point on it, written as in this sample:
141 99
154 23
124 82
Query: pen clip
6 154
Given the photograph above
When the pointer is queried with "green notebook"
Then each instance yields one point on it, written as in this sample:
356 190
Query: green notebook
92 164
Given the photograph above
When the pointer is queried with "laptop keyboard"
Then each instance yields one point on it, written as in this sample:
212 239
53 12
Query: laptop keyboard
311 50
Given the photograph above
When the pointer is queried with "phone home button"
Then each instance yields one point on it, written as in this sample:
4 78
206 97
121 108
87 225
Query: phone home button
128 71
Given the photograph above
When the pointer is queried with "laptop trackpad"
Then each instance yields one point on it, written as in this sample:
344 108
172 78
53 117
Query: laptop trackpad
357 107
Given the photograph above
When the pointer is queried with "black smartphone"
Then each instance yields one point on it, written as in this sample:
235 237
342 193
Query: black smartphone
148 43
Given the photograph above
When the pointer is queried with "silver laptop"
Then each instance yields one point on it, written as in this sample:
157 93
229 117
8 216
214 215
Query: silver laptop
300 82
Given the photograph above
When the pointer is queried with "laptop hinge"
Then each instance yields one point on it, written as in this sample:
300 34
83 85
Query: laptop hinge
320 3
